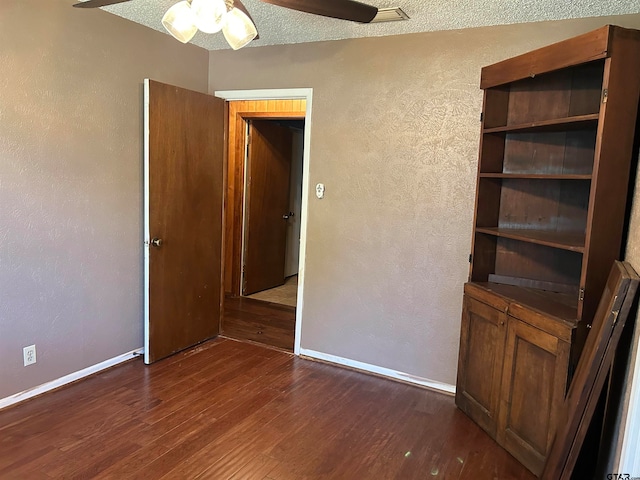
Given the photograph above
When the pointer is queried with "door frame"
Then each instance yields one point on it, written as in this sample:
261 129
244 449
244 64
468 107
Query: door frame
240 113
289 94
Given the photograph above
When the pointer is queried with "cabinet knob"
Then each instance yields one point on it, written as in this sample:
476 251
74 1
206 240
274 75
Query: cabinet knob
501 322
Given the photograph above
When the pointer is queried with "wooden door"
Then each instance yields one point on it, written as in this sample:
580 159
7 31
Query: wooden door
533 387
184 141
266 205
480 362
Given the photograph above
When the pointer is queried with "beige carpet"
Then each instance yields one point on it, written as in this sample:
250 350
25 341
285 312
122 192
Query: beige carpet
286 294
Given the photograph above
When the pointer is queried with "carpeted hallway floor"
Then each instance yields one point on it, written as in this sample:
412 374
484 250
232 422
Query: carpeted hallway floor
286 294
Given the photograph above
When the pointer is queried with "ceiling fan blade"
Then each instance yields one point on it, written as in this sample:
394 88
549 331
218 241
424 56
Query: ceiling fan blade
97 3
240 6
342 9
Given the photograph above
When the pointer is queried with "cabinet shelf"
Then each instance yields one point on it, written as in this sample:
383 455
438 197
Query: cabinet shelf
577 122
538 176
572 241
562 306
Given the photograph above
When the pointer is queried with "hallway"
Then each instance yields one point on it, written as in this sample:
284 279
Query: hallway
267 323
286 294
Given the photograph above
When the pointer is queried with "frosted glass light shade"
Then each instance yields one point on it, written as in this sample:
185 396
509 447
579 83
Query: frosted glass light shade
179 22
239 30
209 15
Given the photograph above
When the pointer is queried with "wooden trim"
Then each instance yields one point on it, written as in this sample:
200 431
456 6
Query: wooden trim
225 176
612 159
483 295
273 115
584 48
239 112
545 323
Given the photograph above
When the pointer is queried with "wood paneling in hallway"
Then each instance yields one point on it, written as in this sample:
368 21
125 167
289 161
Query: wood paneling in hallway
228 409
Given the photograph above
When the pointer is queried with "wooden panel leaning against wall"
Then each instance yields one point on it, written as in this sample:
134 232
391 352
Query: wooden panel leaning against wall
593 369
555 152
239 112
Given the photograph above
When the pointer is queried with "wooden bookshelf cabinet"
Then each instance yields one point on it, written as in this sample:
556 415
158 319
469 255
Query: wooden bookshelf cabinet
558 128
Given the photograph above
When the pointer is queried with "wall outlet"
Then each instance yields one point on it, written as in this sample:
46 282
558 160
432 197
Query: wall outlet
29 354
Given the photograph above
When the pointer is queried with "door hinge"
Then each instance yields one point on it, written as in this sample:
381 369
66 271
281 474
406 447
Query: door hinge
248 139
470 257
581 294
615 313
481 116
605 95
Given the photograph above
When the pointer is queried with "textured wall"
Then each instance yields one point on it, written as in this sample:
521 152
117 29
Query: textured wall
71 182
394 136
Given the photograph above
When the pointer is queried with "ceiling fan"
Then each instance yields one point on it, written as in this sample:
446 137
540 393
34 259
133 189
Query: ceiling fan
186 17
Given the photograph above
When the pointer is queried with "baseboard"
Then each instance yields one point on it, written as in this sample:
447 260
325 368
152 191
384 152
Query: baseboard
381 371
72 377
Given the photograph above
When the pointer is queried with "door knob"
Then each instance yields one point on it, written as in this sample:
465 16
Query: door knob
286 216
156 242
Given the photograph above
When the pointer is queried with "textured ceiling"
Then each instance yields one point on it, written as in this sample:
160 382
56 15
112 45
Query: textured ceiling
278 25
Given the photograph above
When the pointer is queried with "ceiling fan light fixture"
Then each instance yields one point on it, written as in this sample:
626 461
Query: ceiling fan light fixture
238 30
209 15
179 22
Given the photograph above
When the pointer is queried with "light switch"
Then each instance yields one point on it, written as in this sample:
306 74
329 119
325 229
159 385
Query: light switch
320 190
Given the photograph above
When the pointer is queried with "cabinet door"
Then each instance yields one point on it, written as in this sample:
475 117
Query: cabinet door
533 388
480 362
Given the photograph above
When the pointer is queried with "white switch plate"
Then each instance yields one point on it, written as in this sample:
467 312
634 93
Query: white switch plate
320 190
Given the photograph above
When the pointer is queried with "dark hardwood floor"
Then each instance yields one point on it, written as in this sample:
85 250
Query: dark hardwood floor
233 410
262 322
